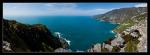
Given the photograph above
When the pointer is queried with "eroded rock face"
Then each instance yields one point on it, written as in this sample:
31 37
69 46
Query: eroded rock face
29 38
95 48
117 41
142 27
109 47
63 50
6 46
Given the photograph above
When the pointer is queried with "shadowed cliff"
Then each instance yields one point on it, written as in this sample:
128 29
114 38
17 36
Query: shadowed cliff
18 37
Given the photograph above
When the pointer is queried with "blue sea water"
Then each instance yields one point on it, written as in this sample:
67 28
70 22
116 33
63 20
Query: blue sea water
82 31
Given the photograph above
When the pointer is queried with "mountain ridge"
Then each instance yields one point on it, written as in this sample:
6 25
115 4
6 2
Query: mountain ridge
120 15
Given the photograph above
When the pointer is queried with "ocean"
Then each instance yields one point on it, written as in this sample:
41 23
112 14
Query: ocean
82 31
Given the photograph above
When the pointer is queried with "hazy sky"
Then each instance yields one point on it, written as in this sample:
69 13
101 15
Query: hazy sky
86 9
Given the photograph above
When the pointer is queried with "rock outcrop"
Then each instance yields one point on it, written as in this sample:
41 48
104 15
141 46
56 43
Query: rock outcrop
96 48
18 37
63 50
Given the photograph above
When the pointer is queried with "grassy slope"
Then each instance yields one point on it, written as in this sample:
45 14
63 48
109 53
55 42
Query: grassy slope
129 22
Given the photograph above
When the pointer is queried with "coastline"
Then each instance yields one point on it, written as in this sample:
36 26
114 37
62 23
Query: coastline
126 41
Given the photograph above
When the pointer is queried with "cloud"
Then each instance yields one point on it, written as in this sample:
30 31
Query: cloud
61 5
70 11
49 9
141 5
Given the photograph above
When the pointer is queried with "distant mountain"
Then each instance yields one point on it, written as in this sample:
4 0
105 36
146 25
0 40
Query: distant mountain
18 37
121 15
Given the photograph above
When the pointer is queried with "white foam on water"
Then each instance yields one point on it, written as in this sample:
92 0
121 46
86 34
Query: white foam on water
59 35
68 41
111 31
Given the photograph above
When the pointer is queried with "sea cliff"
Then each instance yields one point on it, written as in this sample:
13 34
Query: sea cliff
131 33
18 37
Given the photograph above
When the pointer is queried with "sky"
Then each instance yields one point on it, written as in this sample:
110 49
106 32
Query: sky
78 9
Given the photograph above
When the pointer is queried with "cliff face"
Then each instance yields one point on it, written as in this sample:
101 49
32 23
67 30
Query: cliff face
131 36
18 37
122 14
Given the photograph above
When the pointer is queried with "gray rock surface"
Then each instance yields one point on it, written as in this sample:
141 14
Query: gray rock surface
63 50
